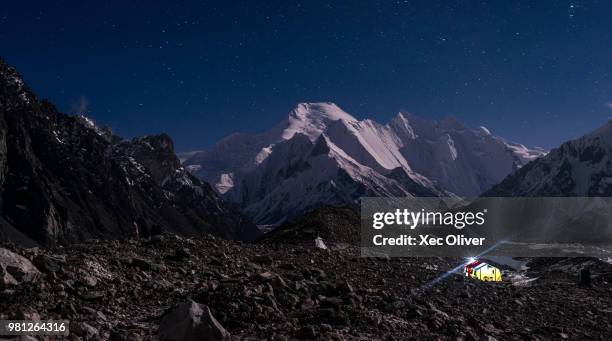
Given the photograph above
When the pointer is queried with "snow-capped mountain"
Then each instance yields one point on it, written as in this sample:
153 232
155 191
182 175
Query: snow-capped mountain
238 154
459 159
581 167
320 154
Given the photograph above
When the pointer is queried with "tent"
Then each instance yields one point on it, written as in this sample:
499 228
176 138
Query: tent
482 271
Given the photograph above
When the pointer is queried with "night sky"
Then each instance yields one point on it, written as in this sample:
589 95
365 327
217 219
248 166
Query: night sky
535 72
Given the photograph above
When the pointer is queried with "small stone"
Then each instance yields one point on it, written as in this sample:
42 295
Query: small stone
89 281
265 276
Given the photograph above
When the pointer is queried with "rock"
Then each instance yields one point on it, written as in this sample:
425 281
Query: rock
489 328
263 259
129 336
307 304
334 337
288 300
215 261
306 333
92 295
315 273
323 296
28 315
84 330
325 327
181 254
345 287
48 264
265 276
15 269
319 244
279 284
27 338
89 281
142 264
487 338
191 321
437 311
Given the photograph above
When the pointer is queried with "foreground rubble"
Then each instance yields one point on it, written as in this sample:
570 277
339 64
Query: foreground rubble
222 290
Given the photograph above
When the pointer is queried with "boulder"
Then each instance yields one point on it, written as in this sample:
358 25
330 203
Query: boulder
15 269
191 321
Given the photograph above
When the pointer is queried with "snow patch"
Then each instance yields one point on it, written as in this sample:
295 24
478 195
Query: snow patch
484 130
193 168
226 182
263 154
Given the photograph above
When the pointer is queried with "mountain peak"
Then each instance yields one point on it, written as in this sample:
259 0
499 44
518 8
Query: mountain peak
11 83
405 116
320 111
408 118
604 132
311 119
104 189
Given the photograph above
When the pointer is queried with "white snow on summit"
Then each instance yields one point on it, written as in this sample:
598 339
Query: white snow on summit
311 119
320 154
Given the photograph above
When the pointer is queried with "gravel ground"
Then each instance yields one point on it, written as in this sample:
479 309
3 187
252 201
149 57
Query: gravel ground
124 290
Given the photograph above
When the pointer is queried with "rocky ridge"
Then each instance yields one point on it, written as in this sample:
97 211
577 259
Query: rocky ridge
580 167
64 180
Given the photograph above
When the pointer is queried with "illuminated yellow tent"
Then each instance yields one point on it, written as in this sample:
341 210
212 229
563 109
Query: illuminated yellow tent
482 271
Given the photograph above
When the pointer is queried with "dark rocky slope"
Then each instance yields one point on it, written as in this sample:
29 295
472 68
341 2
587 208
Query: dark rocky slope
64 180
125 291
336 224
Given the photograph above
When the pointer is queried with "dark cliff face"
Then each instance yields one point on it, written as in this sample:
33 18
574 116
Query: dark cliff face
64 180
